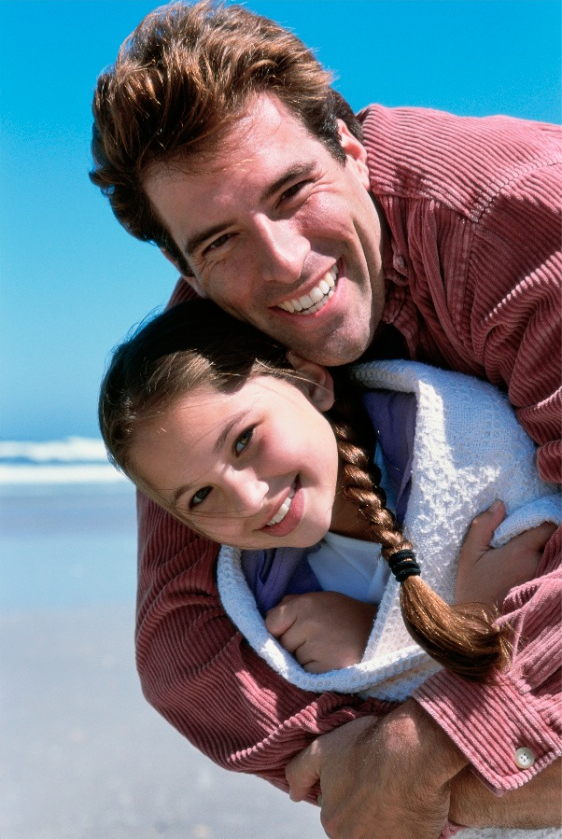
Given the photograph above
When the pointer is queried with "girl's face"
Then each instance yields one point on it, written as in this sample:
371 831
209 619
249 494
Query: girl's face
254 468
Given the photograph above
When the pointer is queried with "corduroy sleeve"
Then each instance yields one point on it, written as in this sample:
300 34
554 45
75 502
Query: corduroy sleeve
515 278
511 316
523 710
487 280
200 674
474 258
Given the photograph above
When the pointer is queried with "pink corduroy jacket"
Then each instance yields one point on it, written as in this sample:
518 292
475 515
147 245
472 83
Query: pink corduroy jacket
473 272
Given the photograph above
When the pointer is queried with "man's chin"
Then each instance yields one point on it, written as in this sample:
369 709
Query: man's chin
334 353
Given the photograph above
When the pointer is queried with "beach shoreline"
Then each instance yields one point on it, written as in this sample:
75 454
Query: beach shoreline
83 754
85 757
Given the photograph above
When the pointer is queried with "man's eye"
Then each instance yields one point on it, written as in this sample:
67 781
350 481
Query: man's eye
243 440
294 190
217 243
198 497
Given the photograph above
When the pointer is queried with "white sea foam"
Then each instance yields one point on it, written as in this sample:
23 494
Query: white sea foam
74 460
71 449
76 474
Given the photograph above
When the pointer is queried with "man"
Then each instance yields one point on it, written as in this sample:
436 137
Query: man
407 232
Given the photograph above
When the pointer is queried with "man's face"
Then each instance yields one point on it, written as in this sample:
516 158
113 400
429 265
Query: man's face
279 233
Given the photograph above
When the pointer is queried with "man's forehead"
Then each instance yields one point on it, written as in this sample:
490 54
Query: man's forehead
264 124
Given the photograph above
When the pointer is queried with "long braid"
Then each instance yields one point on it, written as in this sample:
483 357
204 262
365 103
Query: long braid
464 639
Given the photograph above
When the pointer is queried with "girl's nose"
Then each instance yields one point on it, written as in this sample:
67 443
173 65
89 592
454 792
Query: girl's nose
247 492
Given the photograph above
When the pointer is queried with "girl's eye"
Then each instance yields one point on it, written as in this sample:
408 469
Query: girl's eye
243 440
199 497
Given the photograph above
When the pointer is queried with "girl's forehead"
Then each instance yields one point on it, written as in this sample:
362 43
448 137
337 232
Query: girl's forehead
260 389
201 420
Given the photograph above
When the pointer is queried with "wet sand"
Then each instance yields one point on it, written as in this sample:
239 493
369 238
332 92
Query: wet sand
83 756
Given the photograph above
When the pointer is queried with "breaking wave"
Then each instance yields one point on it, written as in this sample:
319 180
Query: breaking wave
73 460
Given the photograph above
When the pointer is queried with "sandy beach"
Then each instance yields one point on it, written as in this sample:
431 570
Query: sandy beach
82 754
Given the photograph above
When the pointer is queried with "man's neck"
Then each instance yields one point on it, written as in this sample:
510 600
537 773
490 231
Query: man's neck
388 342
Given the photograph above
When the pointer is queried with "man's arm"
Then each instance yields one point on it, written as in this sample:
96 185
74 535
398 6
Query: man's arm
490 723
484 293
384 800
201 675
407 794
517 808
197 670
509 323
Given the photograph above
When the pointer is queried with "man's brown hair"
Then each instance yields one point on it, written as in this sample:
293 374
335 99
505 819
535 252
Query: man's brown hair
181 79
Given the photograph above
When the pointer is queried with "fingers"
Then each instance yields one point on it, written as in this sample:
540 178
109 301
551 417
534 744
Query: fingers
282 617
303 773
482 528
283 621
536 538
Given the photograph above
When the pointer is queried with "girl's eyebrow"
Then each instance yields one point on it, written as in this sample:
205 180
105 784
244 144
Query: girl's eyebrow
227 428
233 420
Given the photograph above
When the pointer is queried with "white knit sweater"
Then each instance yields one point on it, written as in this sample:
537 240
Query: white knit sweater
468 450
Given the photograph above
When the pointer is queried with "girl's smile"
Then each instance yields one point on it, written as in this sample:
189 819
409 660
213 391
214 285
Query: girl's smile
289 514
246 467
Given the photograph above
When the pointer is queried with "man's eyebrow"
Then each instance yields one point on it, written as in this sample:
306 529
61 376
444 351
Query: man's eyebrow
195 241
299 170
234 420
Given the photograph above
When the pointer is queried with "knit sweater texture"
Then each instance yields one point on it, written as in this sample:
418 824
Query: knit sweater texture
468 450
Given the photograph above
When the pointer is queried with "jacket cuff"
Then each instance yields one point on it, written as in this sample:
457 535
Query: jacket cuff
506 737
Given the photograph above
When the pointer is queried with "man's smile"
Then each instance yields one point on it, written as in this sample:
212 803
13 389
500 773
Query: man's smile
317 297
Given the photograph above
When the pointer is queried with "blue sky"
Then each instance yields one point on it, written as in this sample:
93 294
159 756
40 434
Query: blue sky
72 282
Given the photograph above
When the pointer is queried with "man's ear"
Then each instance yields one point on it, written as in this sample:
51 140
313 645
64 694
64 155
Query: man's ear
315 380
193 281
356 153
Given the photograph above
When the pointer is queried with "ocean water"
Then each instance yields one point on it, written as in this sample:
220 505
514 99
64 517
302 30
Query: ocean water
67 526
83 754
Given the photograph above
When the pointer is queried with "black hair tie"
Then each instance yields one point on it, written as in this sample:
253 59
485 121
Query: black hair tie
403 565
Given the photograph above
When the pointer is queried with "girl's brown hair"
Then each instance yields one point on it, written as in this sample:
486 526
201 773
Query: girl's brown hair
195 343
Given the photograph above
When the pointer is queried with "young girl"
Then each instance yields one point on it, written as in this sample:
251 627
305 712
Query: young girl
273 456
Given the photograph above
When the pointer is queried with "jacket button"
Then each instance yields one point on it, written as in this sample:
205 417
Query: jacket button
524 757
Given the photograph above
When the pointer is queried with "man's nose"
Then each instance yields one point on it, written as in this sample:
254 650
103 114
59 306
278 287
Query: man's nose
283 250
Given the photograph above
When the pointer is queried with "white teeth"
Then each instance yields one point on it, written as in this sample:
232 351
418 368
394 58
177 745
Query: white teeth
316 298
283 509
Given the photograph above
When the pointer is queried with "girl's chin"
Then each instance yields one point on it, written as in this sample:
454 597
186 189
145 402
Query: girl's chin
299 539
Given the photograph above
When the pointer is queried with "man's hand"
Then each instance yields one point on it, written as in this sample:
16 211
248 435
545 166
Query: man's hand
486 574
402 777
537 804
324 630
386 779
